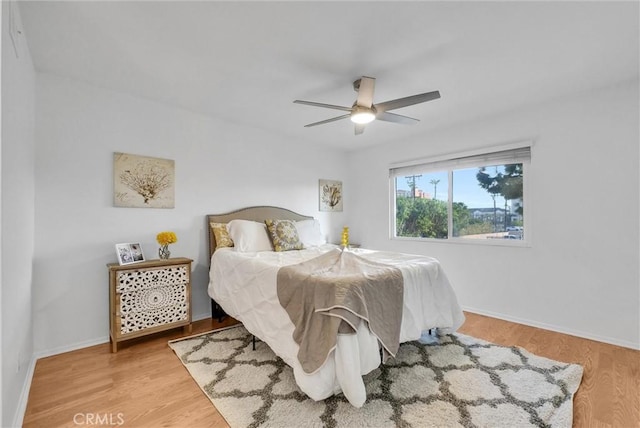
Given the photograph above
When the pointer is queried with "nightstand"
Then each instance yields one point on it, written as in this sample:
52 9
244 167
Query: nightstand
148 297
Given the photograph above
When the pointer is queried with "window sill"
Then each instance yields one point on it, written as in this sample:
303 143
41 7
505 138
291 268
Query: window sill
483 242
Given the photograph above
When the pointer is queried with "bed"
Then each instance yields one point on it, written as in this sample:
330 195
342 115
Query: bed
246 284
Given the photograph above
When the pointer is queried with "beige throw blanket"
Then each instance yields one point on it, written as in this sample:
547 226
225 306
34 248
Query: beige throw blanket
332 293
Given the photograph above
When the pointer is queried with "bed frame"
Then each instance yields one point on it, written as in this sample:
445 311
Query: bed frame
256 213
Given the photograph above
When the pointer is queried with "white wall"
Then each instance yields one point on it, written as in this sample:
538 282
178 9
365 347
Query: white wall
580 275
219 167
17 220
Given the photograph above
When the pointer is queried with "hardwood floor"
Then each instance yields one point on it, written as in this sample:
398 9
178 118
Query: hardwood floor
609 395
145 385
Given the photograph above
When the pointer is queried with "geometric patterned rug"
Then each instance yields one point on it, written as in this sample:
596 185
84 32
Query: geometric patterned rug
459 381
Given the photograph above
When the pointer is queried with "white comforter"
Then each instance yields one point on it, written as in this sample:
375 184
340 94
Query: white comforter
244 284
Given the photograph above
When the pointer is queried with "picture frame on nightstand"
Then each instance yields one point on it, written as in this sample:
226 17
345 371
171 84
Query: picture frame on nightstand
129 253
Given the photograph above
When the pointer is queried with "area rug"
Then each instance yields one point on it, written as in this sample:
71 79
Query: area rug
459 381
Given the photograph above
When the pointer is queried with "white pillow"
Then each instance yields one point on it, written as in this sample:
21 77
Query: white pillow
249 236
310 233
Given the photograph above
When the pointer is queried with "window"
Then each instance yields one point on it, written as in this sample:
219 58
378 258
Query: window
475 197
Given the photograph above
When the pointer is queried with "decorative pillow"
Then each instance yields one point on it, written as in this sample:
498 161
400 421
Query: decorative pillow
221 235
283 234
310 233
249 236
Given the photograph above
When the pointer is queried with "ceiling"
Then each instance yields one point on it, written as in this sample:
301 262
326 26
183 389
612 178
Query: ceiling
245 62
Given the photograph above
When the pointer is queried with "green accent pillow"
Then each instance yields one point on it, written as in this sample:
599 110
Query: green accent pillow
221 234
283 235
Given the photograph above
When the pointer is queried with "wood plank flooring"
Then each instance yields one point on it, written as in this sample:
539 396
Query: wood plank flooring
145 385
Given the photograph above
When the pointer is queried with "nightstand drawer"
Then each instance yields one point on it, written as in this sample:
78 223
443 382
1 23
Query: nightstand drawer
137 321
141 279
152 307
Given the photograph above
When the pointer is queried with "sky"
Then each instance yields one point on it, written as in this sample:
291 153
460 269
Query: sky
465 187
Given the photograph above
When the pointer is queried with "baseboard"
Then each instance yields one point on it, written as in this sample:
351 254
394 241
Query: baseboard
93 342
72 347
550 327
24 395
201 316
21 408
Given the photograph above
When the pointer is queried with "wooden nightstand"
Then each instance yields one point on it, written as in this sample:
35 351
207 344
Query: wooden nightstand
148 297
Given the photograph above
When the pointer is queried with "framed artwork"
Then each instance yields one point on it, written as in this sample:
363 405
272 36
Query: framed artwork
330 192
143 182
129 253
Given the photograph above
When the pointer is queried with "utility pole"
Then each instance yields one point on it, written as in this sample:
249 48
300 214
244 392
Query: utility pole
412 178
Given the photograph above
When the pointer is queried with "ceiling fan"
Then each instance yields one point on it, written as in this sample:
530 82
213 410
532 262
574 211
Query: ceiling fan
364 110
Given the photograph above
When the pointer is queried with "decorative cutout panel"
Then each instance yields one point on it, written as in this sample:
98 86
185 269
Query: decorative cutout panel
152 297
141 279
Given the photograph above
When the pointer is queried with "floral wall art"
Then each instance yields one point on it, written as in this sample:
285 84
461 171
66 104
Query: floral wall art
330 195
143 182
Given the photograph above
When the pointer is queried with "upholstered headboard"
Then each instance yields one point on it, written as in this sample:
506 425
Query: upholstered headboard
259 213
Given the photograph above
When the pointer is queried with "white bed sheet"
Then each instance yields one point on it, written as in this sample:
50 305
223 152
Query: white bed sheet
244 284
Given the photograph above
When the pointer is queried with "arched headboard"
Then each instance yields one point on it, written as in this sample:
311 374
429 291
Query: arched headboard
258 213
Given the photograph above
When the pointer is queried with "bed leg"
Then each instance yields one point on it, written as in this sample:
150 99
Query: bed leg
217 311
254 342
429 337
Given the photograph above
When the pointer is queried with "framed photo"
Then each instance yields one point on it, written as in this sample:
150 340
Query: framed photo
129 253
143 181
330 194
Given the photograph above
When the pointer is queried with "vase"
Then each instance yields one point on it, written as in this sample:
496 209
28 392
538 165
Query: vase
345 237
163 252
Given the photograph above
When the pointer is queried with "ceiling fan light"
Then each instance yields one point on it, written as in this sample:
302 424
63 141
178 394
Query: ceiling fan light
362 117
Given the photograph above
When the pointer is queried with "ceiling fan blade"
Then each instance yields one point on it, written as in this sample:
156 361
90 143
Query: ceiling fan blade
396 118
407 101
322 122
359 128
311 103
365 91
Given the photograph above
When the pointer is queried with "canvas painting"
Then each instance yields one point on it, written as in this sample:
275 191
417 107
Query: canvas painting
330 195
143 182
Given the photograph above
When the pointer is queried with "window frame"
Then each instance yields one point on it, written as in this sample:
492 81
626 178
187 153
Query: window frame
451 159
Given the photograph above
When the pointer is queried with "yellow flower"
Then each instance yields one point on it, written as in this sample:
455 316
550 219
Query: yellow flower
166 238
